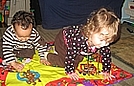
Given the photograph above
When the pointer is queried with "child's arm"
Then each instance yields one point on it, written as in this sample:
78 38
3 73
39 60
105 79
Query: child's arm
106 62
106 58
73 40
43 47
7 47
39 43
43 50
8 55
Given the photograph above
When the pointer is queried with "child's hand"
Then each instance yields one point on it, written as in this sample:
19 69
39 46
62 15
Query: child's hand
17 66
44 61
74 76
107 76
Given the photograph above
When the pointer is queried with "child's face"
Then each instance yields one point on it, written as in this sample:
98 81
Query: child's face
23 35
100 39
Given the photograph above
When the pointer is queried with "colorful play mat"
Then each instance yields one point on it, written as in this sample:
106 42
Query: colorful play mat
37 74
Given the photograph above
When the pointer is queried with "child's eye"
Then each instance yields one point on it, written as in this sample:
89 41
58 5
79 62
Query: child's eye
101 40
101 34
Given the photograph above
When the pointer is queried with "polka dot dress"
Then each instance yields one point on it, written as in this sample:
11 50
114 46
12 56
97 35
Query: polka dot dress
76 45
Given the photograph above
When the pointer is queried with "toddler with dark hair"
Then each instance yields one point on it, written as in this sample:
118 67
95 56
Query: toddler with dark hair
21 39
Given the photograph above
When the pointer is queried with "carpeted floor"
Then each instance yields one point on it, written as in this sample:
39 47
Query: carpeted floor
123 49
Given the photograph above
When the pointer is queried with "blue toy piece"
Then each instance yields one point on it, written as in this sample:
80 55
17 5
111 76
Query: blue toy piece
29 77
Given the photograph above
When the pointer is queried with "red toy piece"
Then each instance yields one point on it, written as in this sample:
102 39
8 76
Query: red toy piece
3 74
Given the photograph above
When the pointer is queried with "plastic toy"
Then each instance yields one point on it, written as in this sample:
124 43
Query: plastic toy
89 68
29 77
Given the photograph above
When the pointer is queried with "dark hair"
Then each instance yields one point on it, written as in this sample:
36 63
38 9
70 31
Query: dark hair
23 18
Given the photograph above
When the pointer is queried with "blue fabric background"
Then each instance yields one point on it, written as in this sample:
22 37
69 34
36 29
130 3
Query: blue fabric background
60 13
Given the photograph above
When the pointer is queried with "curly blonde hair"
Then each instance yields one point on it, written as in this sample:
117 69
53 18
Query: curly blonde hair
103 18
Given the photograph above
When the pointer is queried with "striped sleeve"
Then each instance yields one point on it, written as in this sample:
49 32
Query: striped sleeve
8 55
40 44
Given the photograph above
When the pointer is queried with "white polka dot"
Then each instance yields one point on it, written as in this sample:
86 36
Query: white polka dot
70 57
78 39
68 66
108 55
74 47
74 51
74 43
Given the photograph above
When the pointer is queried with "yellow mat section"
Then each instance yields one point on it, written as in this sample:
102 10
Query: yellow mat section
47 73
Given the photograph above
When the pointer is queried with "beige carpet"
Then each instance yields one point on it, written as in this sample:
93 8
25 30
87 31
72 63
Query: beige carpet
124 48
